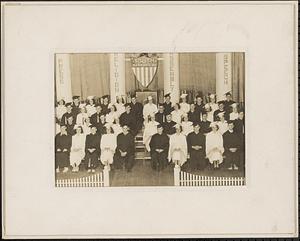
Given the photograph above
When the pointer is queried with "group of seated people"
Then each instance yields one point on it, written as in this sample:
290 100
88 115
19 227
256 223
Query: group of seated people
194 135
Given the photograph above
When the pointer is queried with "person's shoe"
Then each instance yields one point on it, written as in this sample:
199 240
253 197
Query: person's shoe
93 170
57 170
65 170
230 168
235 167
89 170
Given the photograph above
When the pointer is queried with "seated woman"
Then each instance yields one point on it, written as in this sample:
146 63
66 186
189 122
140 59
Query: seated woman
214 146
82 116
108 146
150 130
112 115
178 147
187 126
177 114
77 149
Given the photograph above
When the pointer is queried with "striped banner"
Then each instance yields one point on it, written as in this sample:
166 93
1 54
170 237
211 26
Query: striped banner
144 69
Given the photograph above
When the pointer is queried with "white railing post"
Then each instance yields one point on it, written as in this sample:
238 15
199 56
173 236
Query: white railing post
176 175
106 176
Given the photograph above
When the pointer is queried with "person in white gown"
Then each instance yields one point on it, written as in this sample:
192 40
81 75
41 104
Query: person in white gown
222 123
77 149
90 107
234 114
187 126
209 113
212 102
120 105
150 108
117 127
108 146
214 146
60 109
178 147
149 131
86 127
112 115
177 114
82 116
184 106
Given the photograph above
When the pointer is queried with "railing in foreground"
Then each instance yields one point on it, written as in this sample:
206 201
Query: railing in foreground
97 180
182 178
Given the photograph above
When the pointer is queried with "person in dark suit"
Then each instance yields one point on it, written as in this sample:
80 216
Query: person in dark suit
169 125
65 116
228 102
218 111
137 111
205 124
231 144
159 146
75 106
63 143
127 118
124 155
168 104
193 115
95 118
196 148
199 106
104 105
92 150
70 126
160 115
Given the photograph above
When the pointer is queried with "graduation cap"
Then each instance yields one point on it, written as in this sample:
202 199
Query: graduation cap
234 105
183 95
221 114
75 97
228 93
213 124
167 95
69 104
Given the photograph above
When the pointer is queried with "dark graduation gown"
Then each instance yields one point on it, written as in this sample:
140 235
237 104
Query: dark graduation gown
137 111
96 121
194 116
129 120
197 157
160 117
239 128
70 129
159 160
169 128
75 110
227 105
91 158
105 109
125 143
199 108
62 158
168 107
64 118
204 127
231 140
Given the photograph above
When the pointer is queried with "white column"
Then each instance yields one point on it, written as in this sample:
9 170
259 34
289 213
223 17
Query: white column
171 75
223 75
63 78
117 75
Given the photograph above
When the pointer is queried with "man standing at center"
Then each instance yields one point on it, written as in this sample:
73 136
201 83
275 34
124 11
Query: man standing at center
150 108
137 111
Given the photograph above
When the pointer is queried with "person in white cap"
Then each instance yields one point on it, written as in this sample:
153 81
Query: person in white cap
150 130
234 114
112 115
212 102
177 114
184 106
77 149
187 126
178 147
120 105
108 146
214 146
90 107
222 123
149 109
82 116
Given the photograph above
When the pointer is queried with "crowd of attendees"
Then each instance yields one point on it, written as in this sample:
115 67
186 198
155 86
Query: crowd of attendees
194 135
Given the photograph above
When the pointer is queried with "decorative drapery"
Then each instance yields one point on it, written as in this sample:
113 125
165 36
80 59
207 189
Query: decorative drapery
90 74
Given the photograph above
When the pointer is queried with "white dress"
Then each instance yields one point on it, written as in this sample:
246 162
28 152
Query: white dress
60 110
120 108
90 110
233 115
176 116
185 107
223 126
149 109
150 130
178 141
78 141
214 140
108 141
117 129
187 127
81 117
111 116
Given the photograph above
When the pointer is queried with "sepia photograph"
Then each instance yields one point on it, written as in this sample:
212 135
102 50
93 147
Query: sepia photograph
150 119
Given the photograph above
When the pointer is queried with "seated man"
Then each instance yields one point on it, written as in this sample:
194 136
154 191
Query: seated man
63 143
124 155
92 150
232 147
159 146
196 148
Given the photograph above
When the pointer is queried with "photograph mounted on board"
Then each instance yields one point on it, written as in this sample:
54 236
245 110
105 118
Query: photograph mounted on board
149 119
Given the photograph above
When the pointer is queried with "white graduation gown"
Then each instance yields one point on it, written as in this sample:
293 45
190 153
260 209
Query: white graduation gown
187 127
185 107
150 130
233 115
223 127
214 140
90 110
178 148
81 117
111 116
78 141
176 116
108 146
149 109
120 108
